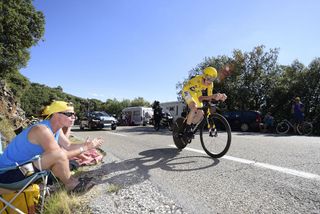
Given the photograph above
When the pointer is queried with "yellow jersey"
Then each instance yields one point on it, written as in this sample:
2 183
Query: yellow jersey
196 88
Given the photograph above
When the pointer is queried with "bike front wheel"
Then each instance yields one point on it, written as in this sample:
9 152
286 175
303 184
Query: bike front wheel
305 128
215 137
282 128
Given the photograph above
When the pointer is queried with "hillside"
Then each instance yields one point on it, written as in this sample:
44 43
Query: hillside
11 114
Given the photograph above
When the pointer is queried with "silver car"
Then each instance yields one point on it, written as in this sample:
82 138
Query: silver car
98 120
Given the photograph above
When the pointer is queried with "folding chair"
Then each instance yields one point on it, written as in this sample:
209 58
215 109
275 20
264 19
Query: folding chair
18 187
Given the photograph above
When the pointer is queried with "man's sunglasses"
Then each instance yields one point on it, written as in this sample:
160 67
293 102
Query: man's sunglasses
68 114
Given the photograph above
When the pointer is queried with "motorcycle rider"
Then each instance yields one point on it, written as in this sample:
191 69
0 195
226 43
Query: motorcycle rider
199 89
157 113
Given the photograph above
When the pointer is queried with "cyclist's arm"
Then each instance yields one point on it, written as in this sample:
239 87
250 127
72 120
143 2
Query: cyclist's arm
217 96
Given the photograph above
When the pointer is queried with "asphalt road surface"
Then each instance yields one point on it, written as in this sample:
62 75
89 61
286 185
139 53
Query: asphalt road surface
261 173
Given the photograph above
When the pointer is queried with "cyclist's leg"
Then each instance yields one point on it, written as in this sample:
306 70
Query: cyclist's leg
189 99
195 115
192 104
198 116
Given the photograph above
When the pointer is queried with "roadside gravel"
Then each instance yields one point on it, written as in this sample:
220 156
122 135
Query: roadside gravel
121 188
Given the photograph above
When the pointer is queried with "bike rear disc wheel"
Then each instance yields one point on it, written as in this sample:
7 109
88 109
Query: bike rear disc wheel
305 128
216 141
282 128
177 129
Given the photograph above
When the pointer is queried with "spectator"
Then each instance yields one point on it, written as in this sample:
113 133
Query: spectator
47 139
298 111
268 122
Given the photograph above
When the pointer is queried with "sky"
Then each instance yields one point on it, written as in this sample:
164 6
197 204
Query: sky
124 49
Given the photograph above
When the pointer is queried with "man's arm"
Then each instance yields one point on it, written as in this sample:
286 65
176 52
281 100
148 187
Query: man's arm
74 149
41 135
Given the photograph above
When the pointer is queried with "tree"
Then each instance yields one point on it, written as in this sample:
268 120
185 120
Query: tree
17 83
139 102
251 82
21 28
254 78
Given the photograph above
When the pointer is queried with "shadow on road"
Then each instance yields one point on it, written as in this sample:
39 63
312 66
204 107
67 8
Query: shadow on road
139 130
136 170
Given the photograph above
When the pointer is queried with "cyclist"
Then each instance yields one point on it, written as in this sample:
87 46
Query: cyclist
199 89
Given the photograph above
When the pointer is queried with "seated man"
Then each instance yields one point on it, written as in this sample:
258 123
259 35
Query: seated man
268 121
47 139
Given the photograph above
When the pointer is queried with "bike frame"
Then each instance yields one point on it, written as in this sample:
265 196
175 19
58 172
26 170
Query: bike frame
290 124
204 118
213 148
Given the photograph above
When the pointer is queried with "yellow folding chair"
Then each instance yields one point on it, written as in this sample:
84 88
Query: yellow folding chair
19 187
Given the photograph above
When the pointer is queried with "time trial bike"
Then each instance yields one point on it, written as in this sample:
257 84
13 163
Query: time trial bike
214 131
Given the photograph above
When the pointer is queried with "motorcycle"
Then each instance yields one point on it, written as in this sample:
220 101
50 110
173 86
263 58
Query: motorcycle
166 121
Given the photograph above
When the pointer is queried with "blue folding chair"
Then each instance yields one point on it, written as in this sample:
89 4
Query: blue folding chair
20 186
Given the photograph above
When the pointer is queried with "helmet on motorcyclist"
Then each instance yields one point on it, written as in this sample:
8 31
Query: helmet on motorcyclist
210 73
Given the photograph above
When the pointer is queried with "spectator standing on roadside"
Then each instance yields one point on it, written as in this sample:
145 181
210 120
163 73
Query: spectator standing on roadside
297 110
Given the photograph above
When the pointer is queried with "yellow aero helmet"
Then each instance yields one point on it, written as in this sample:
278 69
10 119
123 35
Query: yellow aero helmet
211 72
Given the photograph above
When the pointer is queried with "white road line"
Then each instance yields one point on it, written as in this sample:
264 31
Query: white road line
122 135
263 165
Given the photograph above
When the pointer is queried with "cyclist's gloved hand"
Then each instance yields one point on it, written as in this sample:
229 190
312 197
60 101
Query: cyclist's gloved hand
219 96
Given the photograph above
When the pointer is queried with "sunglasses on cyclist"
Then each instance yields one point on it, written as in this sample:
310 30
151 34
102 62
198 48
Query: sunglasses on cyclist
210 79
68 114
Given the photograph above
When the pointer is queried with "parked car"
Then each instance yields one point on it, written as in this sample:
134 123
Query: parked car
243 120
98 120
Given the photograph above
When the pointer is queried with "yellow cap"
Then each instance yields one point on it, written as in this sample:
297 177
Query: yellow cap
57 106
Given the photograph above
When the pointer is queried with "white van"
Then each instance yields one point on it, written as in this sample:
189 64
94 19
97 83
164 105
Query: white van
175 108
138 115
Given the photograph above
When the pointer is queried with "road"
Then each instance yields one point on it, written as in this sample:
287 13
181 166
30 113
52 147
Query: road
261 173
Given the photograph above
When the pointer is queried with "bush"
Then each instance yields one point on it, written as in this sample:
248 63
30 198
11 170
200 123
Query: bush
6 129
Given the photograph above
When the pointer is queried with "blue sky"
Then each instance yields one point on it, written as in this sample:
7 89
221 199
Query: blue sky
123 49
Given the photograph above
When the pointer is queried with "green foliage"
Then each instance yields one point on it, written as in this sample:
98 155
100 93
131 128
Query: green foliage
139 102
115 107
37 96
113 188
60 202
258 82
251 84
6 129
17 83
21 28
